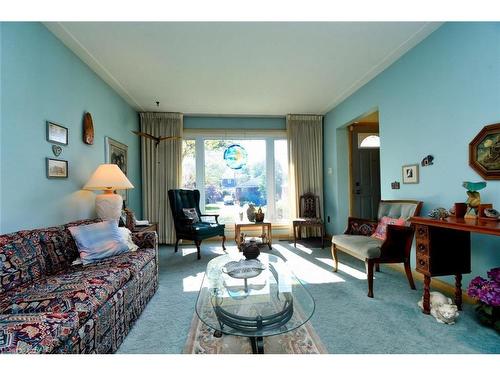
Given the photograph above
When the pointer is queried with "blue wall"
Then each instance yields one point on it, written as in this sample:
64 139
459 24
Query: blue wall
254 123
433 100
43 80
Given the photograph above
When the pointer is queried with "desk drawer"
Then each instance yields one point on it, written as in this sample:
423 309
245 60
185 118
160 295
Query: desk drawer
422 263
422 232
422 247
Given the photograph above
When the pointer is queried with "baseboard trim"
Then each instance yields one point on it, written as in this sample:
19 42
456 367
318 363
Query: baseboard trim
436 284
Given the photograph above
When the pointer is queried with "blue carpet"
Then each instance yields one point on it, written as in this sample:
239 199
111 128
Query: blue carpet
346 320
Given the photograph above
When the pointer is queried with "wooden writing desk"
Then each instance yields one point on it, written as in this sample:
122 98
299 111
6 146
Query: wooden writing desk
443 248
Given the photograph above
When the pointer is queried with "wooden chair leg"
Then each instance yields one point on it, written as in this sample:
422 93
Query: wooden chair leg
198 248
294 235
377 267
322 237
369 273
409 275
177 245
335 258
223 242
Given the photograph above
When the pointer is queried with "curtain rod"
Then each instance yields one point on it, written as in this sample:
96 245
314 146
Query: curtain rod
231 115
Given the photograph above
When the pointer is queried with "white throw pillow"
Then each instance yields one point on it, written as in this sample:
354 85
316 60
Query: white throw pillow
98 241
127 237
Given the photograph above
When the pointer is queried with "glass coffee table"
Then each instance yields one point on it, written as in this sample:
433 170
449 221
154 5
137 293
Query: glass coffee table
260 299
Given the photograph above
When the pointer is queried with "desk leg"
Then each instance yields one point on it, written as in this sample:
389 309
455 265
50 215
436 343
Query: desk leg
270 237
458 290
427 295
237 236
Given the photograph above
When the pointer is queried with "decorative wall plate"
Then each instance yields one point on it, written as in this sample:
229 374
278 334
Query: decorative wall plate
88 129
484 152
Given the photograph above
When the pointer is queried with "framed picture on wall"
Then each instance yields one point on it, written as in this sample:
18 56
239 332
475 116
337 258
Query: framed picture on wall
117 153
56 168
410 174
57 133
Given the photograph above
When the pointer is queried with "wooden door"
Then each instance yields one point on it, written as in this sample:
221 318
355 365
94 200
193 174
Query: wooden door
365 174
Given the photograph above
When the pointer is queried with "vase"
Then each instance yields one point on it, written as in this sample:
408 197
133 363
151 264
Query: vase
489 315
251 212
250 250
259 216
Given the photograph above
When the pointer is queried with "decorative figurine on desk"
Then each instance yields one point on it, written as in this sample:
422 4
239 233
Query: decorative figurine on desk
439 213
474 199
442 308
491 213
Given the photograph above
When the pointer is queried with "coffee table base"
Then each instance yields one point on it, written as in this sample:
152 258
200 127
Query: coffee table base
257 345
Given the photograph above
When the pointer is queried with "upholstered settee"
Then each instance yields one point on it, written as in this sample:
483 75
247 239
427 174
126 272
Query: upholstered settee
358 241
48 305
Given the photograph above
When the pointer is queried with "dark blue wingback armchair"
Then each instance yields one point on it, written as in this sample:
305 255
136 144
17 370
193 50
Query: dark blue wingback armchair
185 228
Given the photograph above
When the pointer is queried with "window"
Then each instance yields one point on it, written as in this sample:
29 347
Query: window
368 140
227 191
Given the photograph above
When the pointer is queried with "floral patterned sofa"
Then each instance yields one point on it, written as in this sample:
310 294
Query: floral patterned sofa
48 305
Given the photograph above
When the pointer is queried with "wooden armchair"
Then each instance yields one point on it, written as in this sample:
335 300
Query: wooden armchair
309 216
396 248
185 228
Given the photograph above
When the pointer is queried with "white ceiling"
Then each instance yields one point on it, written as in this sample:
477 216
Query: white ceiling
239 68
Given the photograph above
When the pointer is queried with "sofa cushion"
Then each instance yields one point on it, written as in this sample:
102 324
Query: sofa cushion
20 255
58 246
362 247
82 290
58 249
133 261
205 229
36 333
397 209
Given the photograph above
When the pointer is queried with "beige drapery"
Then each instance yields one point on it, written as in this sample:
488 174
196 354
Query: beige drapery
161 169
305 156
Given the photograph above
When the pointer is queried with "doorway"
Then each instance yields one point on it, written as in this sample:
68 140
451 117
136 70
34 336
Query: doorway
364 167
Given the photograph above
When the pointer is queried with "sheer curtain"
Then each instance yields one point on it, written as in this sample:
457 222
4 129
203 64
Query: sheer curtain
305 155
161 169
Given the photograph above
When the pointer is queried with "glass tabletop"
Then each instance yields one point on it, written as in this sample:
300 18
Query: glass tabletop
270 303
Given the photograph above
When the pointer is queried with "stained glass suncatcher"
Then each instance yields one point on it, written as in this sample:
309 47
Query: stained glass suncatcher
235 156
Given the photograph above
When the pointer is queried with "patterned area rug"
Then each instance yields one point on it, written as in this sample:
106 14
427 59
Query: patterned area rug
201 340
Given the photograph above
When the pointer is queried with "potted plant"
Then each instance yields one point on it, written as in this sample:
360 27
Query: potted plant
487 293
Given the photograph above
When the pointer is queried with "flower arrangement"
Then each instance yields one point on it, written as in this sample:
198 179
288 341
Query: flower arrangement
487 292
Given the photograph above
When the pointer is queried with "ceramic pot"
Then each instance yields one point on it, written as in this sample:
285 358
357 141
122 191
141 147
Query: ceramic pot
489 315
250 250
259 216
251 212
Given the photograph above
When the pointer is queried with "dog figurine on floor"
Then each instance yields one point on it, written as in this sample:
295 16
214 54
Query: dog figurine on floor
442 308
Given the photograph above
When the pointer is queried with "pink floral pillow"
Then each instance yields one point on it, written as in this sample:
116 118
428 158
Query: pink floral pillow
381 231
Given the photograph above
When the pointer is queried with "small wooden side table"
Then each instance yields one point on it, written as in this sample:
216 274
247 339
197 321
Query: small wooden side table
266 236
152 227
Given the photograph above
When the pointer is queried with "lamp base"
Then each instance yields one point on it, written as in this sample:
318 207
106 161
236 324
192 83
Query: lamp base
108 206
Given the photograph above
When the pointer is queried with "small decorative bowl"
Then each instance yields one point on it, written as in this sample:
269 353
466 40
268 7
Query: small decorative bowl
491 213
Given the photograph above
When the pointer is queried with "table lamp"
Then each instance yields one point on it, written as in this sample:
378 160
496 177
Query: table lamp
108 177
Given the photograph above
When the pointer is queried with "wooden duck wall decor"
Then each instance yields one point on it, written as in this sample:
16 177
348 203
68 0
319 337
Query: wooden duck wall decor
88 129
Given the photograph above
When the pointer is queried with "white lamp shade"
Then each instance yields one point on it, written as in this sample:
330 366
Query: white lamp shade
108 177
